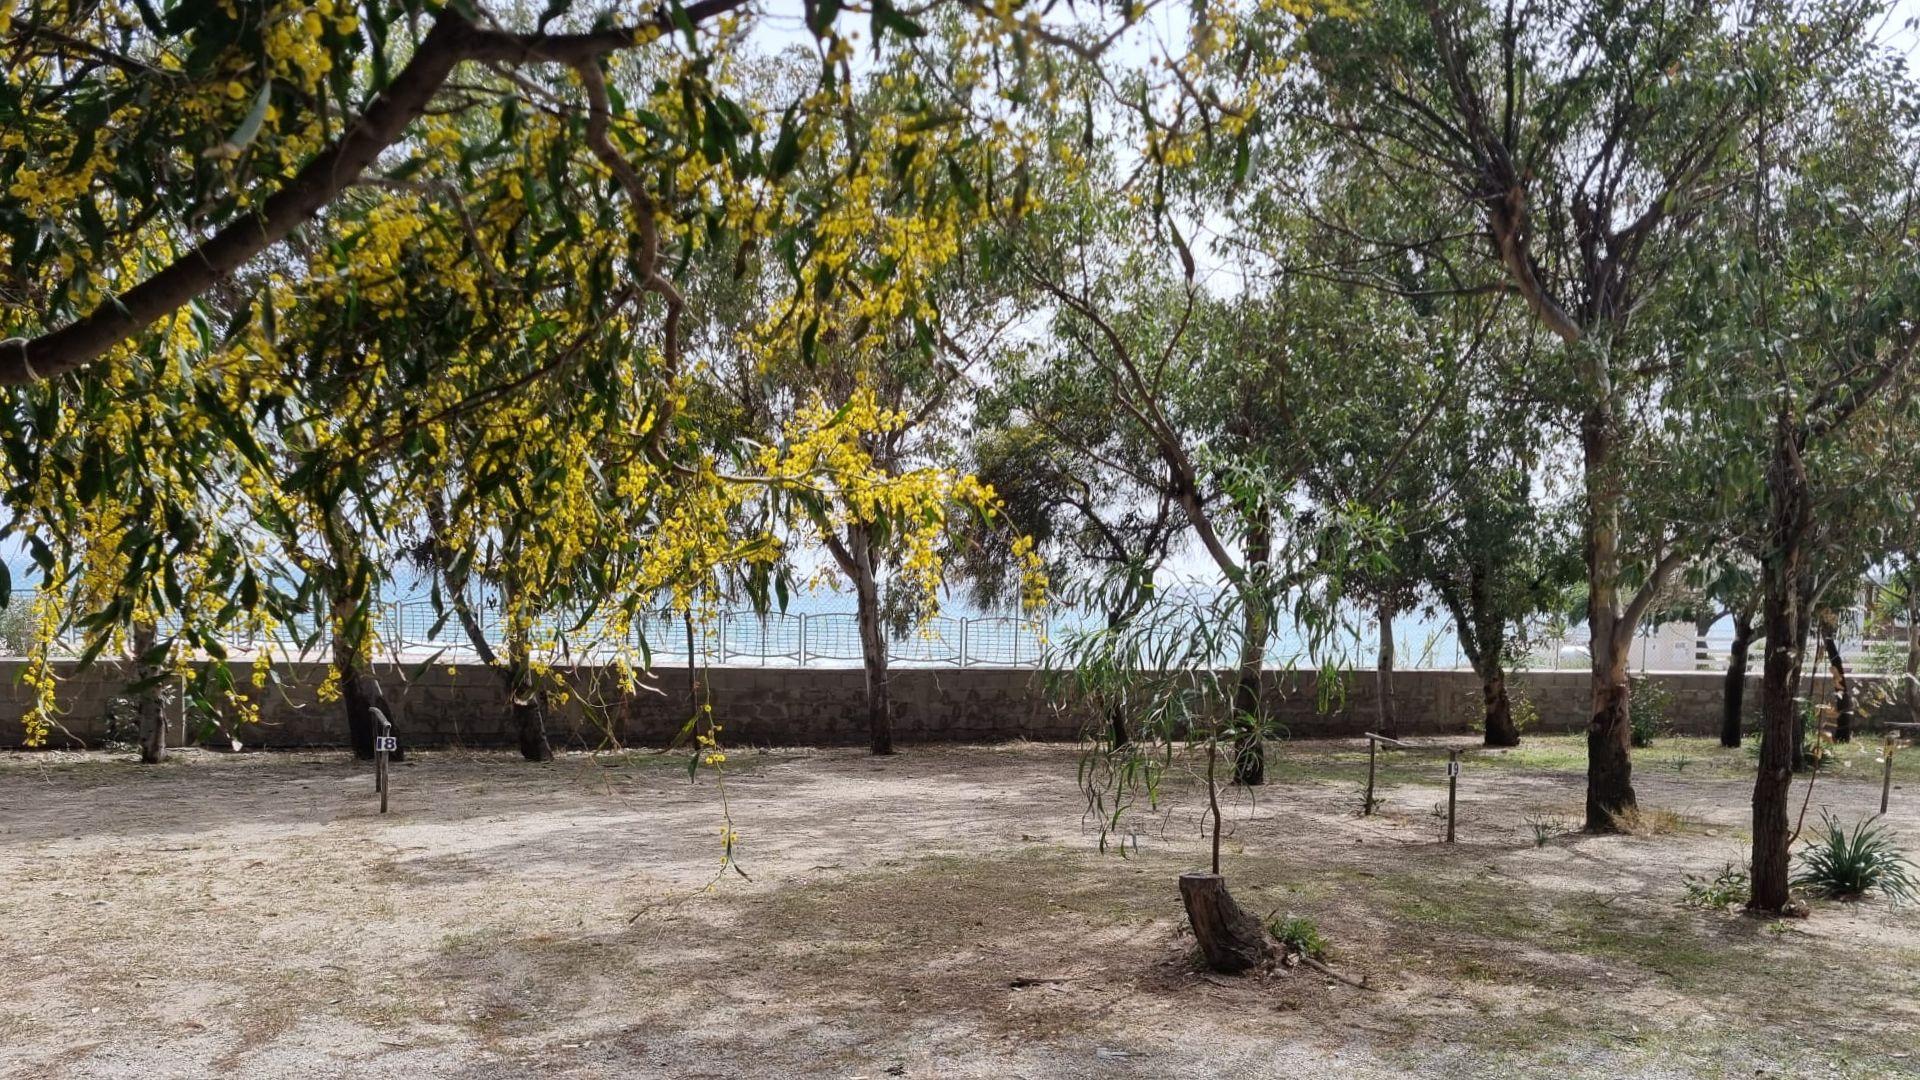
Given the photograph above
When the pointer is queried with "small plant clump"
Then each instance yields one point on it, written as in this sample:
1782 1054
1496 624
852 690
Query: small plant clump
1847 864
1546 828
1370 804
1299 935
1647 821
1729 887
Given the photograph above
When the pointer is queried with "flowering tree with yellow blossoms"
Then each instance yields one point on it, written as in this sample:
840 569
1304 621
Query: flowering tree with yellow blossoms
272 268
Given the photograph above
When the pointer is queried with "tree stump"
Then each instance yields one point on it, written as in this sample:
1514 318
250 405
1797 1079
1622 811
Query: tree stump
1231 939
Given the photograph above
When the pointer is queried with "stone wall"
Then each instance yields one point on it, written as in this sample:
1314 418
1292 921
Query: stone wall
464 705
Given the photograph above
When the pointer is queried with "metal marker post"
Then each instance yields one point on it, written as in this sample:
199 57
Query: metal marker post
383 744
1453 787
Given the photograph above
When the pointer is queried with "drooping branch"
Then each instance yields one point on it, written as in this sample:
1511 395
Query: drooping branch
451 40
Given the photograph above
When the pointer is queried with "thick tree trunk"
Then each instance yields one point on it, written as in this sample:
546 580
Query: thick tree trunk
1842 693
530 725
1384 670
150 706
1231 940
1610 745
1117 710
528 701
1789 511
1609 732
1250 754
1500 729
873 640
1733 694
360 692
529 708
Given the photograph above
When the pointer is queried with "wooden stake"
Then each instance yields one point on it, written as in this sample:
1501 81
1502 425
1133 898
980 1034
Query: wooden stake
1886 778
1373 748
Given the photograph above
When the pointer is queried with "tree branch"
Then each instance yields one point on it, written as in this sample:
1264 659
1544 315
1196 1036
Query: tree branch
451 40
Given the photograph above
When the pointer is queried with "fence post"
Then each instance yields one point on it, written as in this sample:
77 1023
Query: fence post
963 641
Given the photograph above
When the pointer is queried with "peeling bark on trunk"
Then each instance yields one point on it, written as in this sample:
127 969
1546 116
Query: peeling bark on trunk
1734 692
150 705
1609 746
1609 732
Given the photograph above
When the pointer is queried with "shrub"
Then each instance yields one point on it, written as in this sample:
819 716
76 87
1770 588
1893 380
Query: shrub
1300 935
1526 715
1731 886
1847 864
1647 705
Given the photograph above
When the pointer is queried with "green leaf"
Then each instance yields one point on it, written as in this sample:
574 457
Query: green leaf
786 151
243 135
887 17
962 186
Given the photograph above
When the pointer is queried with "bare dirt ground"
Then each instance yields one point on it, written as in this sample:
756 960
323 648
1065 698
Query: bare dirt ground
943 913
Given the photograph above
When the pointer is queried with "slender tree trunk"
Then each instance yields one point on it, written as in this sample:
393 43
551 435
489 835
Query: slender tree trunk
1250 754
526 703
1842 693
1789 510
1609 732
1912 688
1493 691
150 705
1802 635
1116 709
873 639
1733 694
1384 670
